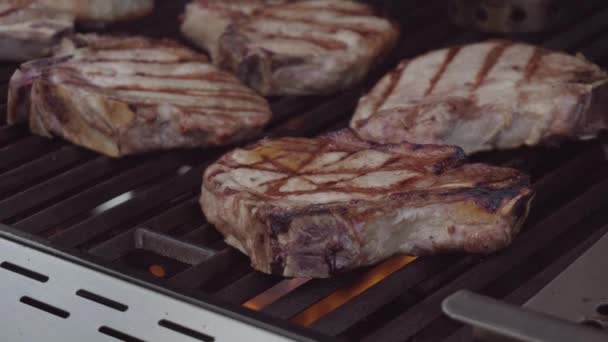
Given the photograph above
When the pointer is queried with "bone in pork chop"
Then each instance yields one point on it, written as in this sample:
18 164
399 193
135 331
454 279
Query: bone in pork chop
490 95
122 96
27 31
307 47
206 20
101 10
313 207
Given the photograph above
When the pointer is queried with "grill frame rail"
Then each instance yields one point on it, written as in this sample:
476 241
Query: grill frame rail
493 320
61 290
64 195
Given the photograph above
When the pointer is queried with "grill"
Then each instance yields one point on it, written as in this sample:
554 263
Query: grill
128 235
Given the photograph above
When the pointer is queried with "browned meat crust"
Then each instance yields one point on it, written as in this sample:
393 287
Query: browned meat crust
313 207
121 96
307 47
491 95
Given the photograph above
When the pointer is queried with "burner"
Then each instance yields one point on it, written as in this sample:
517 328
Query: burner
509 15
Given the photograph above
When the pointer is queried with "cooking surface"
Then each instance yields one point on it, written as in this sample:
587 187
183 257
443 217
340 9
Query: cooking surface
74 198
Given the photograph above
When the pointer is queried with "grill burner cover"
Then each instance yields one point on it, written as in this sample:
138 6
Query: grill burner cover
509 15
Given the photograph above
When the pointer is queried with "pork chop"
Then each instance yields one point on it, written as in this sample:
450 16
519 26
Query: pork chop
307 47
303 207
205 21
28 32
490 95
101 10
121 96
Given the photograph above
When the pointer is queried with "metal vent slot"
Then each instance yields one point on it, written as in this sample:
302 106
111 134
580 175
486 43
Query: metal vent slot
53 310
24 272
102 300
185 331
119 335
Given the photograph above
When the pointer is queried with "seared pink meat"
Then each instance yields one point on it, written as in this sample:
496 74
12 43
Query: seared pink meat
491 95
121 96
303 207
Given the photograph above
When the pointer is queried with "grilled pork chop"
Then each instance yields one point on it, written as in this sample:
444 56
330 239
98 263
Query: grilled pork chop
306 47
489 95
206 20
101 10
313 207
122 96
28 32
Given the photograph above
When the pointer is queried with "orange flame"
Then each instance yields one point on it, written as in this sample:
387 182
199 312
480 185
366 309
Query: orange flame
157 270
340 297
274 293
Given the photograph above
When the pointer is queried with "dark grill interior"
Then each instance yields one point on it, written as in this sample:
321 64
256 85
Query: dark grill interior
78 199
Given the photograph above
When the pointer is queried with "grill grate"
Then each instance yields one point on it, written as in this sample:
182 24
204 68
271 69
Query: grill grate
139 212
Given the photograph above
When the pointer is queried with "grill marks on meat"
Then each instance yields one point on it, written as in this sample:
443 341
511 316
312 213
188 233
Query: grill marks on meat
313 207
122 96
491 59
306 47
490 95
449 56
205 21
27 31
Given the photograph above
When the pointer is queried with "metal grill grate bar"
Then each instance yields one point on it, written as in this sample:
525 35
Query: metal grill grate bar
247 287
138 205
64 184
9 134
25 149
96 194
46 166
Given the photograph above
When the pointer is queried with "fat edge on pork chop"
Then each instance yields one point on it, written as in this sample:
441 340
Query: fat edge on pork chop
303 207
